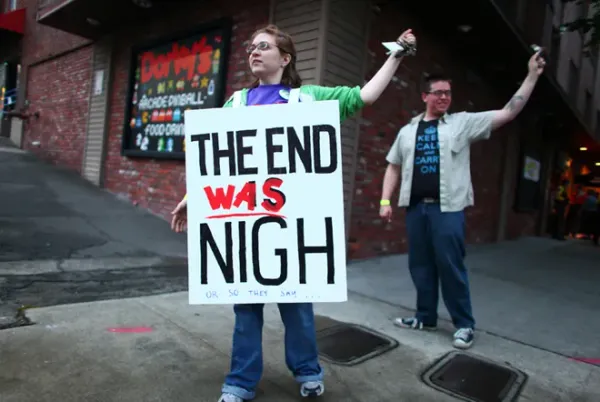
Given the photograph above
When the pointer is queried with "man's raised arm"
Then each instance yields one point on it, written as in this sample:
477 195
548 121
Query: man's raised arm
516 104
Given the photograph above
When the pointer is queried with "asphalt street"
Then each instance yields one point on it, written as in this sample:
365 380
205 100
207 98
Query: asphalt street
64 240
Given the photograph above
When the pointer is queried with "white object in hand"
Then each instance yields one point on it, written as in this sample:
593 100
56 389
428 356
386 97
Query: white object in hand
392 47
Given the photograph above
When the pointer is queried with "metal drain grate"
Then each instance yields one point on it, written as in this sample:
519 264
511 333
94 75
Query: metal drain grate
351 344
475 379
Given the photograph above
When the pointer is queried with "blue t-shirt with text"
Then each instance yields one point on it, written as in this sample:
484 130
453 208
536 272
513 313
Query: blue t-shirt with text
426 174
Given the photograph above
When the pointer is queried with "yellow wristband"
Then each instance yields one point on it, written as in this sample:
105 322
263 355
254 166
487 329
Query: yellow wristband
384 203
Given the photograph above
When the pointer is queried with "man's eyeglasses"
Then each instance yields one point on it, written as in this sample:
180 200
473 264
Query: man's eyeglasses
440 92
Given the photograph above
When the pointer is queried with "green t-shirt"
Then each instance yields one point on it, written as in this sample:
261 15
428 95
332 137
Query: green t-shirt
348 97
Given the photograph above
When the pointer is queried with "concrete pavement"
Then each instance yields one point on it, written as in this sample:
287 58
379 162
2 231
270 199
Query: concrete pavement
63 240
71 354
536 291
50 213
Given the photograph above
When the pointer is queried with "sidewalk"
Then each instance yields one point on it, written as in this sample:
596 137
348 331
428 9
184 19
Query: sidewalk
70 355
59 234
537 291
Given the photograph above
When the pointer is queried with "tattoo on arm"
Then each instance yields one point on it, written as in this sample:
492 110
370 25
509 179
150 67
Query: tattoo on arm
513 103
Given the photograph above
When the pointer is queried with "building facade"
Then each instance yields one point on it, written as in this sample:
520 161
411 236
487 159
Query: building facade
87 100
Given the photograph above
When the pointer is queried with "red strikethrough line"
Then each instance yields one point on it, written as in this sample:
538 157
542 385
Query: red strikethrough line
241 215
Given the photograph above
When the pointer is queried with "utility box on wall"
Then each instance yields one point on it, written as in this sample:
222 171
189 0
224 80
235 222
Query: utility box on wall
16 131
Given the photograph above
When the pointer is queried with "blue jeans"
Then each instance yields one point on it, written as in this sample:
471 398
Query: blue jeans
301 353
436 251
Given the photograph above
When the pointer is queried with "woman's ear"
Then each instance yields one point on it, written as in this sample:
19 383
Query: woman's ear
285 60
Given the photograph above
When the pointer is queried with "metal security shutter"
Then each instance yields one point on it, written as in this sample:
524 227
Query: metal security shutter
95 143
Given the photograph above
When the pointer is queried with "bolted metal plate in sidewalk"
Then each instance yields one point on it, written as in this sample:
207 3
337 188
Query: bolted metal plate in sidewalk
350 344
476 379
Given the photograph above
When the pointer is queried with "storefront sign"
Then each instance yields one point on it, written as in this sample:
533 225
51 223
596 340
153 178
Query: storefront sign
531 169
265 204
168 79
528 196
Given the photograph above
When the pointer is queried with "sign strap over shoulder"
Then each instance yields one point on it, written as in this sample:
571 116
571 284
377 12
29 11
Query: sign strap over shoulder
237 99
294 95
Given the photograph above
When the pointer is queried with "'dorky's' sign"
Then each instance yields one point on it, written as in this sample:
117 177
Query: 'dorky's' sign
265 204
176 76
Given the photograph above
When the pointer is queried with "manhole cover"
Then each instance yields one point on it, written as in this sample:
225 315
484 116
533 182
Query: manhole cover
475 379
350 344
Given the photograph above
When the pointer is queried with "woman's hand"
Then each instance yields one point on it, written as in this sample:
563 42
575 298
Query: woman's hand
408 41
373 89
179 221
407 37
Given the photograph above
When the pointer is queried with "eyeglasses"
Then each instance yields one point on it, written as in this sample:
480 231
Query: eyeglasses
261 46
265 46
440 92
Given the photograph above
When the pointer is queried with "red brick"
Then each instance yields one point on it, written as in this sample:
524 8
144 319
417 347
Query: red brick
59 90
56 69
41 42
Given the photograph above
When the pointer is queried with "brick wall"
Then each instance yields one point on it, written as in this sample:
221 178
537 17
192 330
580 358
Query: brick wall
369 236
59 90
56 68
159 185
41 42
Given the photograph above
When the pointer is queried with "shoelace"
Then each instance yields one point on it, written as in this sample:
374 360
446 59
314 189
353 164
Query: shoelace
230 398
311 385
463 333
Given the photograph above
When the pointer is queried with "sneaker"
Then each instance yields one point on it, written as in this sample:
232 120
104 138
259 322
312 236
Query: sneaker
463 338
312 389
413 323
230 398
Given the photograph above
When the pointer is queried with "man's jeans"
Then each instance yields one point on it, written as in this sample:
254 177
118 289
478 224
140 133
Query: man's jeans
436 250
301 353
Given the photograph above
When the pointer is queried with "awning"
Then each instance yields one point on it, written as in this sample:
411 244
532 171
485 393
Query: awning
13 22
93 19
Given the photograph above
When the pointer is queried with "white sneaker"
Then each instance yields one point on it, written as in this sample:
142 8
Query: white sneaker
413 323
230 398
312 389
463 338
